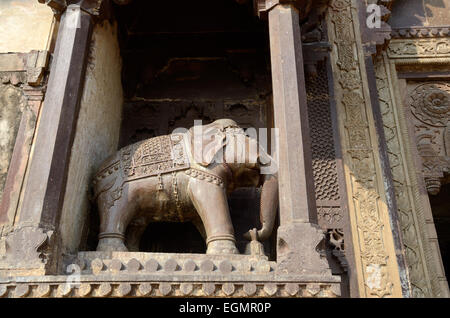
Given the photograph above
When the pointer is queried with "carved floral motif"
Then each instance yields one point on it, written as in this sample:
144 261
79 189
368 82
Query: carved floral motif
430 105
419 48
357 145
407 211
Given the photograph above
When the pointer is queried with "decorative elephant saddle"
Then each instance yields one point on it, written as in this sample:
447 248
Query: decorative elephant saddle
155 156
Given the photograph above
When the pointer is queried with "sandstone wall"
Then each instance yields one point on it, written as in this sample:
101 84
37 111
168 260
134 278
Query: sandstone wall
25 25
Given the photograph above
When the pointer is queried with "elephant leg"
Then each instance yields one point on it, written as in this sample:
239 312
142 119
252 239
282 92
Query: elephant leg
113 223
211 203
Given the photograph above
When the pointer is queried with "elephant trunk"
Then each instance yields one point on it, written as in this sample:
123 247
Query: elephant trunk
268 209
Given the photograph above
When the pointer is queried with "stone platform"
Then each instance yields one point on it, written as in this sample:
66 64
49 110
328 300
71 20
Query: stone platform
136 274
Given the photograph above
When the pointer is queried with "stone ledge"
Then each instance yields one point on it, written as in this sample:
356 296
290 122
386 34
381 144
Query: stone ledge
185 267
58 287
136 274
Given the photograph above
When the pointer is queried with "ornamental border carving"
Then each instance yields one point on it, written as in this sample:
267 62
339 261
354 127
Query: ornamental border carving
376 266
420 51
117 274
410 47
136 289
410 212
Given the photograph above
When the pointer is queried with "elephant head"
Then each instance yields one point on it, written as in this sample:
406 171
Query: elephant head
223 145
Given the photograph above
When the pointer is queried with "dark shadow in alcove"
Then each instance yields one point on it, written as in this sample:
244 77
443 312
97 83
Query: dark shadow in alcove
441 215
170 237
194 60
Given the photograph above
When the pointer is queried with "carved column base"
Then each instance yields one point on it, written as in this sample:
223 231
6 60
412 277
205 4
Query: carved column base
301 250
25 252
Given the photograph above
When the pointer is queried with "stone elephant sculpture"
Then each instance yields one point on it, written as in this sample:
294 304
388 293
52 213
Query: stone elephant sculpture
183 177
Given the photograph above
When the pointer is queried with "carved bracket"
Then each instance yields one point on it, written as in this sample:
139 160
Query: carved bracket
26 248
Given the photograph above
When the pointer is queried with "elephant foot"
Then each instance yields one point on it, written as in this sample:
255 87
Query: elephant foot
111 245
222 247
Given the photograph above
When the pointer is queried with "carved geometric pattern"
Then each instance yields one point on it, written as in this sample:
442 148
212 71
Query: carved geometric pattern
154 156
322 139
330 217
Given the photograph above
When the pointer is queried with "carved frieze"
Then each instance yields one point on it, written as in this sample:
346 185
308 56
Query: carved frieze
375 258
410 216
419 48
420 32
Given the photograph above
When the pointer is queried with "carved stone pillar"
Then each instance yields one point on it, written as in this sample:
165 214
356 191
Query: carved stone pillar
298 235
30 248
370 206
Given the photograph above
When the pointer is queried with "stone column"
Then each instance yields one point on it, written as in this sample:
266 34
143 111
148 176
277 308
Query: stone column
298 234
46 179
30 248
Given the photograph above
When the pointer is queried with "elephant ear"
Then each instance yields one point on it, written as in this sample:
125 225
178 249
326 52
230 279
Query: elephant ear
206 142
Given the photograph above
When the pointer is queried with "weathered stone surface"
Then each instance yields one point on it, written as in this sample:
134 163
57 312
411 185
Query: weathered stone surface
92 286
170 265
165 289
249 289
271 289
228 289
104 289
21 291
209 288
189 266
25 25
207 266
13 103
43 290
97 266
115 265
186 288
133 265
225 267
124 289
152 265
145 289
